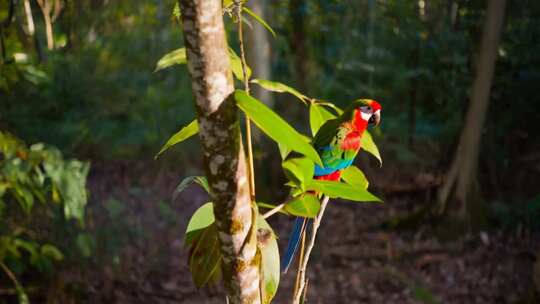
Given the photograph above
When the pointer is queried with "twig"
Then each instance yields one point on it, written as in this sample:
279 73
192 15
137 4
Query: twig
311 244
274 211
11 276
301 256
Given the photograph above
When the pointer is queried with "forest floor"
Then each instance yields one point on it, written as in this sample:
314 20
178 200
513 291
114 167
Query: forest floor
355 261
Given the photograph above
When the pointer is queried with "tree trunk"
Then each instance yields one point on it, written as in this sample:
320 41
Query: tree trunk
258 51
224 159
461 177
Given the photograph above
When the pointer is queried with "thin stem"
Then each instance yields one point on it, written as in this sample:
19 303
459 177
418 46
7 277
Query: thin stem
246 88
274 211
311 244
10 275
301 256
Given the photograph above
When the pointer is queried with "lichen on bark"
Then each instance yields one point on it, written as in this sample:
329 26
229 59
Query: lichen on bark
224 160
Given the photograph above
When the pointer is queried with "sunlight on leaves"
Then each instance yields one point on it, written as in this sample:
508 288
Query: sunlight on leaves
355 177
342 190
177 56
270 262
279 87
236 66
369 146
186 132
317 117
260 20
307 205
202 218
274 126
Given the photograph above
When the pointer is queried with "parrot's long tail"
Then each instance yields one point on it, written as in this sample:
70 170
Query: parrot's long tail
299 227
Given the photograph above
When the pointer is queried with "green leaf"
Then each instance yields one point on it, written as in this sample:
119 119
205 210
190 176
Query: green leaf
369 146
236 66
202 218
299 170
205 256
283 151
342 190
317 117
69 178
86 244
52 252
355 177
259 19
270 269
176 10
177 56
279 87
186 132
201 180
307 205
274 126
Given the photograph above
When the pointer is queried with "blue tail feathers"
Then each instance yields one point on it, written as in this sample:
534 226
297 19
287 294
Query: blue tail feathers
294 241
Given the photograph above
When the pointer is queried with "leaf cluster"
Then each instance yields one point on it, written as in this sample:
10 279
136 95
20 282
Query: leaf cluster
36 185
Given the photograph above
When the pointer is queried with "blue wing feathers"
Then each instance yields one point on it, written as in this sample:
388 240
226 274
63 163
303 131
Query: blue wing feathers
294 241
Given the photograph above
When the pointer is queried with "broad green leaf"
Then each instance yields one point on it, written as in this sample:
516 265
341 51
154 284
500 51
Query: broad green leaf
52 252
279 87
317 117
201 180
270 262
236 66
202 218
186 132
177 56
283 151
369 146
299 170
259 19
355 177
69 179
307 205
342 190
274 126
205 256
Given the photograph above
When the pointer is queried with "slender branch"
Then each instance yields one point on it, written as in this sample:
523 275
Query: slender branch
249 145
275 210
301 257
311 244
10 275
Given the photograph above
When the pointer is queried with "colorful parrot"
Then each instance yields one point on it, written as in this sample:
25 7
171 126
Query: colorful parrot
337 142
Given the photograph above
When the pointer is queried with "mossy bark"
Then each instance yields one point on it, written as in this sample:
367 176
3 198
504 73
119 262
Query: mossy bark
224 159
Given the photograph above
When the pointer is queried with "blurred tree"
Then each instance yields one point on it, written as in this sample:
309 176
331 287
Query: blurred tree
224 159
297 42
461 183
259 50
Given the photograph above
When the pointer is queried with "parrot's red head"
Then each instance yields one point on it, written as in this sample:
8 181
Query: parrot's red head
370 110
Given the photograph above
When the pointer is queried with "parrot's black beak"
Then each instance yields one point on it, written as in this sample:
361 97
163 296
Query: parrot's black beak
375 119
